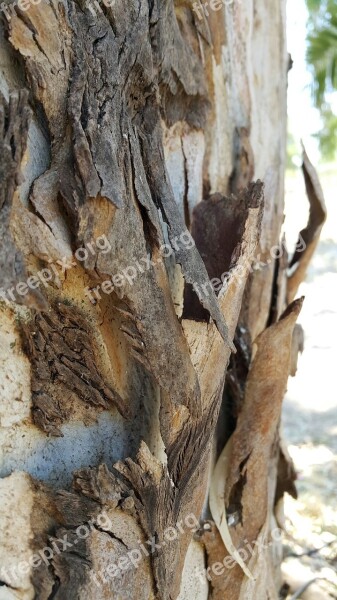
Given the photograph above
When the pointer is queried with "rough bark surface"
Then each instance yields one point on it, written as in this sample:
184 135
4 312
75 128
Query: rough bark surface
142 161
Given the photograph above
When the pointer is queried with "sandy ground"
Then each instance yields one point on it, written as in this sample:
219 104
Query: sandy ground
310 408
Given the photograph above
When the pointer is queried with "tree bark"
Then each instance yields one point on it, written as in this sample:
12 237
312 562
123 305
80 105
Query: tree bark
142 163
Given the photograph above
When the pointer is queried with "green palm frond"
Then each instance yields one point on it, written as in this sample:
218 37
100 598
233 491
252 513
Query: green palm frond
322 47
322 61
327 136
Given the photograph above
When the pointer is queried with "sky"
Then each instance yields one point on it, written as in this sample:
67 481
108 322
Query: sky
304 119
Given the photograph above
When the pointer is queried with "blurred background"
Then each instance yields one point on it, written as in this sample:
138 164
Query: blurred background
310 411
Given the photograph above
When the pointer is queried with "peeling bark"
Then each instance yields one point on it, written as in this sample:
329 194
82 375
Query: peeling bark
143 125
13 140
241 492
59 346
309 236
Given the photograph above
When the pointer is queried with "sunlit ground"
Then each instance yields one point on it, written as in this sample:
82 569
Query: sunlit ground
310 409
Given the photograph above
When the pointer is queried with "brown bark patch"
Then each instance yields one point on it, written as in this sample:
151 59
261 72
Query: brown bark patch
59 345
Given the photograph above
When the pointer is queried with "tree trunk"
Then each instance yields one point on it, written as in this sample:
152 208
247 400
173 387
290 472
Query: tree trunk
137 243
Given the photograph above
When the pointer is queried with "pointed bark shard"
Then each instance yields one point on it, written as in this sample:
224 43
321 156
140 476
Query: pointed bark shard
309 236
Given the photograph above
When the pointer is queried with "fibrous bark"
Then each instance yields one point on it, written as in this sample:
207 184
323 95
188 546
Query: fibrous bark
142 125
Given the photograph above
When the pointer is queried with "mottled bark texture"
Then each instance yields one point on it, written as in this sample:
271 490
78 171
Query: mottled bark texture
142 165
